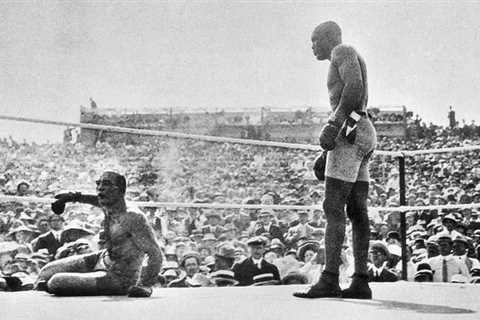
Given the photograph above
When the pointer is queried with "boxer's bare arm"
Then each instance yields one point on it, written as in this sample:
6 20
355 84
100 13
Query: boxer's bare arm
345 61
89 199
144 239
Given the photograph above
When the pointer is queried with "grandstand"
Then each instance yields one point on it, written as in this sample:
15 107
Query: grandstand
293 124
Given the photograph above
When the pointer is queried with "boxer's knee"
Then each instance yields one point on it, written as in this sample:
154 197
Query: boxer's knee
56 284
334 213
49 270
336 194
73 284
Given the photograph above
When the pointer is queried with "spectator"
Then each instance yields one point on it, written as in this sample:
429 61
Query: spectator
190 264
267 226
51 240
255 265
445 265
377 270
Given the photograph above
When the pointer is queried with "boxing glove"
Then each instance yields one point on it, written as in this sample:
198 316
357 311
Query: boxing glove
59 206
328 135
319 166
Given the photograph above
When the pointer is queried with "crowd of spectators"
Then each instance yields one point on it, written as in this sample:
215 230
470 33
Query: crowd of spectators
207 247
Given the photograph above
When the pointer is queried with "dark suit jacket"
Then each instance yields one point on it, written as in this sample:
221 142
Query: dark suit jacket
385 276
275 232
246 270
49 242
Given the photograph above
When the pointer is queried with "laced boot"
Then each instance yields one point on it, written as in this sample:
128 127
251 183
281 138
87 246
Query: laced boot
359 288
326 287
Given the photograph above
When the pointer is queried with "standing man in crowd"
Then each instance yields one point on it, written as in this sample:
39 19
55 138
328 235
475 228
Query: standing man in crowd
350 138
117 270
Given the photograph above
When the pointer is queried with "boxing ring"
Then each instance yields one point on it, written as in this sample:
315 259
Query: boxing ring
401 300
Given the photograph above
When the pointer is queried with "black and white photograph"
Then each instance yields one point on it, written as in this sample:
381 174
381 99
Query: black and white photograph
273 160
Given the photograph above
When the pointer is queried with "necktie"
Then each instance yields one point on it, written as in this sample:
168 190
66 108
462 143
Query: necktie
444 271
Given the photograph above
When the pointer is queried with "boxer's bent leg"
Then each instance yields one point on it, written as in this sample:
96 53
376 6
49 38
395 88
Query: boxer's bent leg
90 283
78 263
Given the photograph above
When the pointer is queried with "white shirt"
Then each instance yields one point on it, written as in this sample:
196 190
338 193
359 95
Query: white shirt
474 262
56 234
257 262
377 271
454 266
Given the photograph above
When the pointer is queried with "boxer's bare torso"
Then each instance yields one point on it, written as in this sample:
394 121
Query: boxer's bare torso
347 80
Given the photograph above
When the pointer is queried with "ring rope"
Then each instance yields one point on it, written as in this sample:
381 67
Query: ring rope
253 206
311 147
168 134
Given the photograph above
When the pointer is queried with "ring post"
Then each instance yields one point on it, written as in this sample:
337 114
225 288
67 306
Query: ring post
403 223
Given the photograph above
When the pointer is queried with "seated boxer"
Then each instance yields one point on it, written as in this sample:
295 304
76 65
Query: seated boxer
117 269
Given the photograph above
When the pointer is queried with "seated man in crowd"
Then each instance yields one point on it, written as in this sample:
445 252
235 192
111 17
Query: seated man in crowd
255 265
377 270
444 266
190 264
117 270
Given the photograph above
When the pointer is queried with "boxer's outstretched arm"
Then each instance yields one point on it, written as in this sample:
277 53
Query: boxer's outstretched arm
345 59
144 238
89 199
59 205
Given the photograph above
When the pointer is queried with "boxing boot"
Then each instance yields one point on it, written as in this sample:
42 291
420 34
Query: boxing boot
326 287
359 288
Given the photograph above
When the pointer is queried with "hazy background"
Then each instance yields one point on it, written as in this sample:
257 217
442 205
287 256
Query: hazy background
54 56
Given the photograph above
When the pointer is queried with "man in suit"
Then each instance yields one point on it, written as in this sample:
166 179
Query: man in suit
377 270
212 224
266 225
50 240
255 264
239 219
460 250
301 230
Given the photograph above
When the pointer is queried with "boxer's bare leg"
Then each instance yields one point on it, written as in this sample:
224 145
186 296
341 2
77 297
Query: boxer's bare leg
336 195
357 213
90 283
79 263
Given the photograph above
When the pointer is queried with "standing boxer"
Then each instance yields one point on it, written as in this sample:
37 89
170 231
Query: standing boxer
350 138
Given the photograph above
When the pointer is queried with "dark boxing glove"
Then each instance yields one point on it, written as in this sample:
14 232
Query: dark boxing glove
319 166
59 206
328 135
139 292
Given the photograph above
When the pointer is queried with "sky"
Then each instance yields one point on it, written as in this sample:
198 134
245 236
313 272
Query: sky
229 55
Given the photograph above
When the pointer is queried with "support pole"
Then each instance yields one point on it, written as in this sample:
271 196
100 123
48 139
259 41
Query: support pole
403 223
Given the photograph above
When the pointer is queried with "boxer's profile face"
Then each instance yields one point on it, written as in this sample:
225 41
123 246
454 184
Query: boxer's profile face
325 37
107 191
320 46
